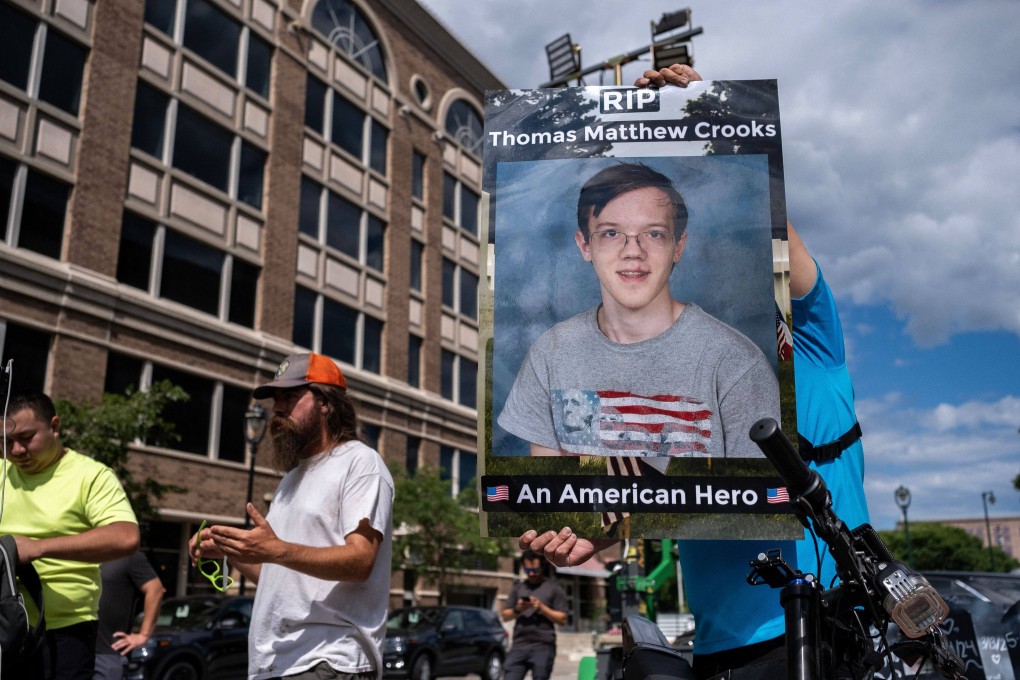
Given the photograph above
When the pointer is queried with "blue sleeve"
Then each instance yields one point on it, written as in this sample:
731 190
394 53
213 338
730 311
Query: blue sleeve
817 331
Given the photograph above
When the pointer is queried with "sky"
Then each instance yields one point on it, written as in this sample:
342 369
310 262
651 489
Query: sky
901 145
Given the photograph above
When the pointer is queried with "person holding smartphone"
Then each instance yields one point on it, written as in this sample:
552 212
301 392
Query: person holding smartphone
537 606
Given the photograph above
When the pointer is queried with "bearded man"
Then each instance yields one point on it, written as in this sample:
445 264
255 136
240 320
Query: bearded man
321 556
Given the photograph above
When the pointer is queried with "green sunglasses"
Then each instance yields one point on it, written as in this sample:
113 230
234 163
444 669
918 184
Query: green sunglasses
211 568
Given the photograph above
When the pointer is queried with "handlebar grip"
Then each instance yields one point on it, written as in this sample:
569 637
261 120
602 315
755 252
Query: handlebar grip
780 452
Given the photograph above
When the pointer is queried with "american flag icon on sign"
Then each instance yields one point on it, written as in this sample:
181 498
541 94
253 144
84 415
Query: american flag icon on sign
497 493
779 495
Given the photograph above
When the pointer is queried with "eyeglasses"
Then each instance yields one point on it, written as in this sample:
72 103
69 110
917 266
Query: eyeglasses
211 568
654 239
531 571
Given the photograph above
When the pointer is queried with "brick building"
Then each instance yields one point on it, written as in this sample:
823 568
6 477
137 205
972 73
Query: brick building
193 189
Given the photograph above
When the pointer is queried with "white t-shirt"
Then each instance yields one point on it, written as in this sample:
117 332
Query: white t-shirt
299 621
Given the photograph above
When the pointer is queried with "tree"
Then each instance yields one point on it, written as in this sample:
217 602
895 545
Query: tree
941 547
106 431
438 534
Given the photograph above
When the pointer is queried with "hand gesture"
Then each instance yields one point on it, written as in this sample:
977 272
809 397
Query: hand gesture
254 546
201 545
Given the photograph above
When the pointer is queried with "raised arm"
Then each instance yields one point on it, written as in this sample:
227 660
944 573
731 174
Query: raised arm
803 271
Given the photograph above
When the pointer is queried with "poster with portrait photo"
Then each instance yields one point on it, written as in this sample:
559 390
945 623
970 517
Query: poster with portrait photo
631 454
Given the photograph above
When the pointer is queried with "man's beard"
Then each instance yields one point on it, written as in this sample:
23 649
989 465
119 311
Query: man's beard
292 442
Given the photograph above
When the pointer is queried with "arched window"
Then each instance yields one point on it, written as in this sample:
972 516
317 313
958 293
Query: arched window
465 126
346 28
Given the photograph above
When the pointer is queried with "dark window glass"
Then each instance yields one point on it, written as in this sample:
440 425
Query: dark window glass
7 170
30 350
468 470
122 372
244 279
369 434
259 64
42 215
468 376
315 100
468 294
348 126
371 353
343 225
375 249
17 33
191 417
417 254
134 259
249 180
469 211
411 458
212 35
149 123
339 331
304 317
202 148
63 66
418 176
160 14
449 289
345 27
191 272
308 220
446 462
377 152
465 125
235 403
449 197
446 374
414 361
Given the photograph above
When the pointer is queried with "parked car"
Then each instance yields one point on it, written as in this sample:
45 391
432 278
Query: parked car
203 637
428 642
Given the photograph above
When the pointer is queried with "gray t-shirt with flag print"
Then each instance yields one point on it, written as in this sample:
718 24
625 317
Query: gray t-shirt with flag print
692 391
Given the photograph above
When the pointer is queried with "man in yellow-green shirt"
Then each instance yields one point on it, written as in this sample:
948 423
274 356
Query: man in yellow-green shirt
67 514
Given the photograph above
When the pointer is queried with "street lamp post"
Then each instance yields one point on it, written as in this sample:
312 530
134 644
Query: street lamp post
902 495
986 498
255 421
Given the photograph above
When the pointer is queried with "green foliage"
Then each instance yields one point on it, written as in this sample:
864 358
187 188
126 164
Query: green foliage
941 547
436 534
106 431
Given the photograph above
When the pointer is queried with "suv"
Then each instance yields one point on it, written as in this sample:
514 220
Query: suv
428 642
198 637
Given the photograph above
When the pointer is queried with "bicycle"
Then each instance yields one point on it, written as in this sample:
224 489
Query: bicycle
835 633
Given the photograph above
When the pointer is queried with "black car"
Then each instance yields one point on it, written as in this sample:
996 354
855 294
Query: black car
428 642
200 637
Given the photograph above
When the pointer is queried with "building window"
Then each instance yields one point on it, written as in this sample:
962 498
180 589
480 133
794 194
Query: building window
39 223
460 204
344 226
457 378
324 325
350 127
460 289
411 456
160 15
417 264
345 27
458 466
465 126
170 265
201 148
418 176
59 69
223 41
414 345
211 421
28 350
